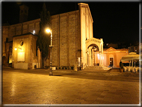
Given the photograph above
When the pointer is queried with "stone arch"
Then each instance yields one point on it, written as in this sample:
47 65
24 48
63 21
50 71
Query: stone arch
94 45
90 54
95 42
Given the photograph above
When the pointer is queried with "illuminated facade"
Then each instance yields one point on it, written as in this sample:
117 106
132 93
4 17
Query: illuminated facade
73 39
112 57
24 54
73 42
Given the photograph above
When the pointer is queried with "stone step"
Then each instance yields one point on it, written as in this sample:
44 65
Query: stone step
96 68
93 67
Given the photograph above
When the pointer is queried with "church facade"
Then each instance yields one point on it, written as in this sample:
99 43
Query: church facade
73 39
73 42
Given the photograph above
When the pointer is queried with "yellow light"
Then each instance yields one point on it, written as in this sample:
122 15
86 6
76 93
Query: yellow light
98 56
21 53
48 30
15 48
33 31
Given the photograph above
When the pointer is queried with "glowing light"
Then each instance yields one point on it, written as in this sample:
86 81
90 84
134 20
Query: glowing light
98 56
48 30
10 59
102 57
33 31
21 56
15 48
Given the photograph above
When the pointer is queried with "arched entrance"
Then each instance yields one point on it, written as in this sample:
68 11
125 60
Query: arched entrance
91 54
94 52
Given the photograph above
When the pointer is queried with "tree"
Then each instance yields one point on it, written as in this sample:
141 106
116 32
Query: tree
43 40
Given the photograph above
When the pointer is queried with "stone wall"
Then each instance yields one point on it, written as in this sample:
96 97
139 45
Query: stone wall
74 37
56 41
66 38
28 49
18 29
86 23
63 39
5 32
22 28
24 48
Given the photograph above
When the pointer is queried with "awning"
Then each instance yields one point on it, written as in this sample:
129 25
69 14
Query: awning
130 56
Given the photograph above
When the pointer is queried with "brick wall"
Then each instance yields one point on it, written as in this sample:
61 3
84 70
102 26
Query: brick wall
66 38
55 33
4 36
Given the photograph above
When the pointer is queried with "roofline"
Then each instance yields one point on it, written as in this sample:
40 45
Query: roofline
85 4
25 34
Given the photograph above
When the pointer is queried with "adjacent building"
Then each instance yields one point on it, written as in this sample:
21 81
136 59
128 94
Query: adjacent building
112 56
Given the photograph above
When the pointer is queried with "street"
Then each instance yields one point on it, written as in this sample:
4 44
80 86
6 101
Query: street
69 87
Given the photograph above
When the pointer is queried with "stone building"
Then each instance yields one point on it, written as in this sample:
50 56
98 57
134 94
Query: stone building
24 55
111 56
73 42
73 38
17 54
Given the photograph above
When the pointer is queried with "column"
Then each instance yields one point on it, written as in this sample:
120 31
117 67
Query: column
90 60
100 58
92 57
102 50
87 58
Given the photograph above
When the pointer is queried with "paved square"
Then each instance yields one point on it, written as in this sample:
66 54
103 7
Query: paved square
69 87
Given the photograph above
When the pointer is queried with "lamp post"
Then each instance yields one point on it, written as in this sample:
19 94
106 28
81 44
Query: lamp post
50 73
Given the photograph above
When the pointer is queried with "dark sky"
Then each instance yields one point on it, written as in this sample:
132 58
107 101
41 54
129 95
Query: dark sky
114 22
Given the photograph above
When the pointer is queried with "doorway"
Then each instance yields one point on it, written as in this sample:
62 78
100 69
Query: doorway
111 62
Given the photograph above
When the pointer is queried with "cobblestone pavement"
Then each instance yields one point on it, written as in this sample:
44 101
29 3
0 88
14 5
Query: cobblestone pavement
69 87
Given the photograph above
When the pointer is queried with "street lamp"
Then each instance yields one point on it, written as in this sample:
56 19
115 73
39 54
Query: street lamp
49 31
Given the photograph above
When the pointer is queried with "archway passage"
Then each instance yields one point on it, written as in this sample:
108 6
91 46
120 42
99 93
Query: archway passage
94 51
92 59
94 47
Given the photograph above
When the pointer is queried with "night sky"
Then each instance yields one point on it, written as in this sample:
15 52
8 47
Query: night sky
114 22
